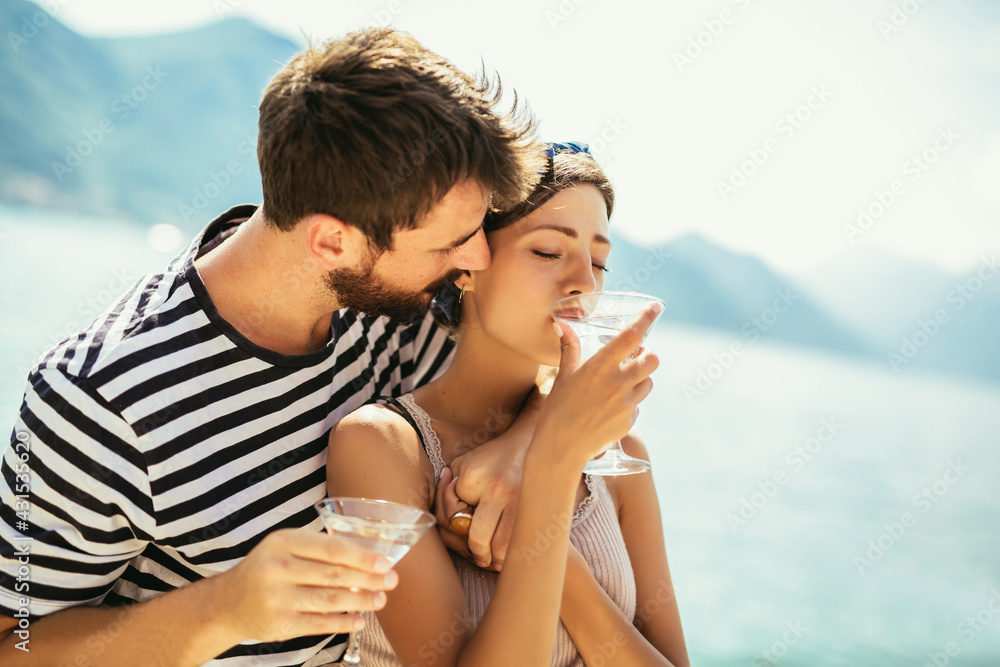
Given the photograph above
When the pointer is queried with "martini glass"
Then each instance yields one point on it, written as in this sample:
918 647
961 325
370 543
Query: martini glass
597 318
386 527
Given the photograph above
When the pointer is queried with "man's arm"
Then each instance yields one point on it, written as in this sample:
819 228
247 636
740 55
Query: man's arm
489 479
293 584
74 489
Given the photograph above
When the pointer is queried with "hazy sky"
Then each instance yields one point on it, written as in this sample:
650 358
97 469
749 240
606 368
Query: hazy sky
767 136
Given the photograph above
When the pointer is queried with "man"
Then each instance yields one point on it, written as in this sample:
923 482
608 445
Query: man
166 459
186 428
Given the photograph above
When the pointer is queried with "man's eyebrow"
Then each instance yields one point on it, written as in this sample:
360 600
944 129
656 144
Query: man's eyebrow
464 240
570 232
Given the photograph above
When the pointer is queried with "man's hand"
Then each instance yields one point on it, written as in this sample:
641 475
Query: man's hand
487 478
297 583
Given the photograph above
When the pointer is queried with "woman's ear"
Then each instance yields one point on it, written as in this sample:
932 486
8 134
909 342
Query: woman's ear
465 282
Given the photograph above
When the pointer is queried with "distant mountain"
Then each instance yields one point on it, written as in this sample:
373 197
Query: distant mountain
706 285
163 129
877 293
925 317
140 128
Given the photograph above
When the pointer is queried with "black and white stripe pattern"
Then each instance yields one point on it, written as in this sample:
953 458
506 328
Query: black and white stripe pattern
164 445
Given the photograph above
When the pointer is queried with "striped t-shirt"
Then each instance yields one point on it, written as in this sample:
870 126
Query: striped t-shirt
158 446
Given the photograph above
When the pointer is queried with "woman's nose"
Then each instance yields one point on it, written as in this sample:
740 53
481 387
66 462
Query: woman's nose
582 279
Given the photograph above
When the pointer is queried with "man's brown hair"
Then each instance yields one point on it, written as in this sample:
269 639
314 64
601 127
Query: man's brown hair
374 129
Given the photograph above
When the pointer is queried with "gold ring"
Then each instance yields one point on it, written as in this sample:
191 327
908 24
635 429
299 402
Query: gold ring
461 521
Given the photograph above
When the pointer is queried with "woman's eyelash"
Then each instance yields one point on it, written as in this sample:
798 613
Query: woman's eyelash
549 255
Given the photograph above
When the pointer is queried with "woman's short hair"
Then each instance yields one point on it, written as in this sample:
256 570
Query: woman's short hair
569 164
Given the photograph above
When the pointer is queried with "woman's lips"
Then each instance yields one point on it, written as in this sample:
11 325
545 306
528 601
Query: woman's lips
570 314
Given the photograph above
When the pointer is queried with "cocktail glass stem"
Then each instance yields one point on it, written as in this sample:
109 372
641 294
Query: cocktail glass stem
389 528
353 654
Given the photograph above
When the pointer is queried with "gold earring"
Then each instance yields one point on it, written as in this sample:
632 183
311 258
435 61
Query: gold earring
461 294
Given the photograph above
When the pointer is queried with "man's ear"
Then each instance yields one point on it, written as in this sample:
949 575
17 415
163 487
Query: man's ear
333 243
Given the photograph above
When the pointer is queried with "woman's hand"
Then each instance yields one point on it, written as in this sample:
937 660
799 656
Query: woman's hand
594 403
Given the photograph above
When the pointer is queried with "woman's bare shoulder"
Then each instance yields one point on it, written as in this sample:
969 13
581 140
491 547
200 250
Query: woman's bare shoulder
374 450
376 424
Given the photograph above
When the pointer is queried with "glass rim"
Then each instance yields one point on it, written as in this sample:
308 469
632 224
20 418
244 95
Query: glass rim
649 298
424 517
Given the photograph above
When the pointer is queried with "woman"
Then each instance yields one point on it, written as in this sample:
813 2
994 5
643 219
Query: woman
586 552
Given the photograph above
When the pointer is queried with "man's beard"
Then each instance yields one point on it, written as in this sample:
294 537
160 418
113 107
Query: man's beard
361 290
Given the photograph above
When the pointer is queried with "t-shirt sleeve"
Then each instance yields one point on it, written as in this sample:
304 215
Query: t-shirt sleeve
75 502
425 351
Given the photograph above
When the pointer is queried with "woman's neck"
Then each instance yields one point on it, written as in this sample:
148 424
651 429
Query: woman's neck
484 387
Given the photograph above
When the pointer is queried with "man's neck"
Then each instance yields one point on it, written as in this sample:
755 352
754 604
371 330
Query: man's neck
266 291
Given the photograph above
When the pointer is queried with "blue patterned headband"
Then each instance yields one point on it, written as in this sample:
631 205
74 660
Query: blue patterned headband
567 147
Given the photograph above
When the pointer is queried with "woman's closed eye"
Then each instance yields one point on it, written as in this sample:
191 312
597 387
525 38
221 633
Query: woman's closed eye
552 255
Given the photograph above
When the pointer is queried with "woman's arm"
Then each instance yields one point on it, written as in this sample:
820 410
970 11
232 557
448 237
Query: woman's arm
594 621
374 453
588 406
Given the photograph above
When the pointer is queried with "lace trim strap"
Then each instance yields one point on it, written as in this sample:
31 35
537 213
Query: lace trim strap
586 506
432 446
429 437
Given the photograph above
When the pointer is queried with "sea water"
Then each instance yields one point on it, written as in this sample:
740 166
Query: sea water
784 474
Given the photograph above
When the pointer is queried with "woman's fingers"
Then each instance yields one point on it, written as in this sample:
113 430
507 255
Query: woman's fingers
622 346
